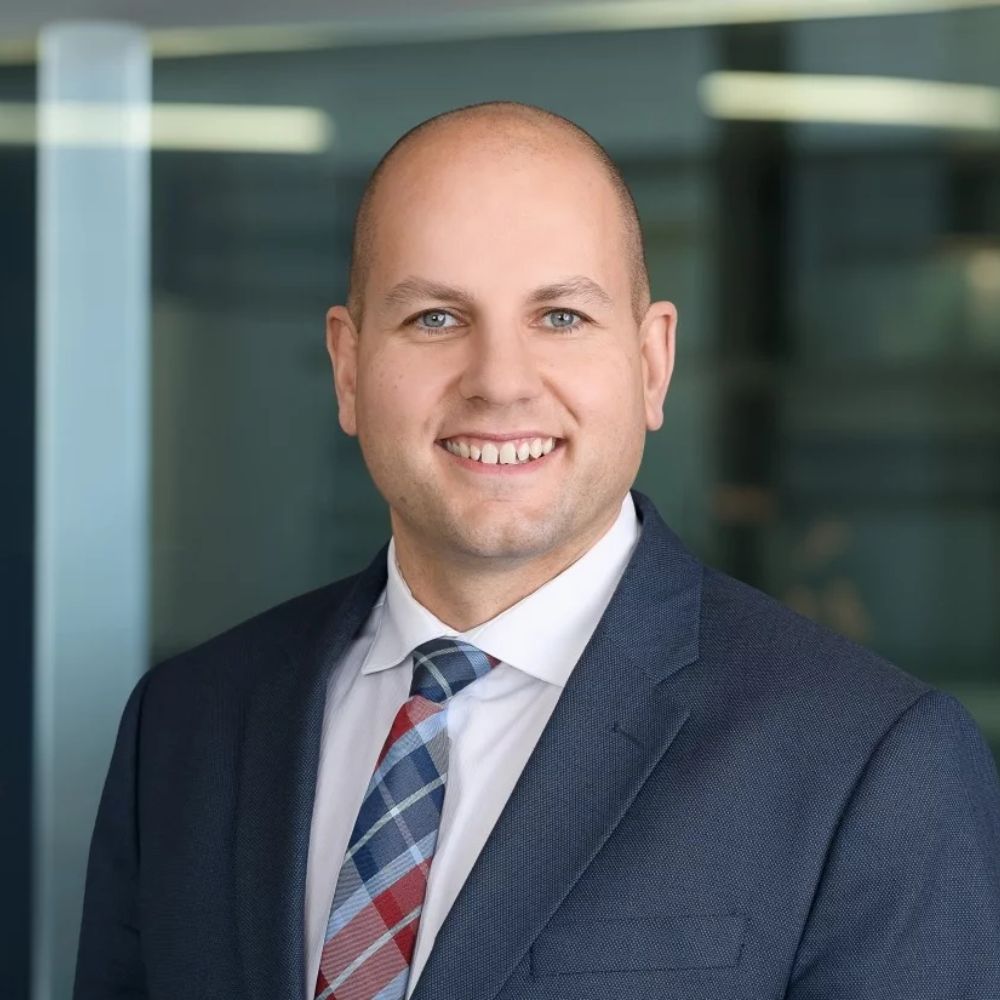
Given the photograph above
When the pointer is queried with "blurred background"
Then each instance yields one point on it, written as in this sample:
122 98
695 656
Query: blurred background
819 184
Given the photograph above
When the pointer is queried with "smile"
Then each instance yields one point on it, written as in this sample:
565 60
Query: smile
484 451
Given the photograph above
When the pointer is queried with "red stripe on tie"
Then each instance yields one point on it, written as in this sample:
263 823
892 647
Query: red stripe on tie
372 975
403 897
409 716
362 931
366 927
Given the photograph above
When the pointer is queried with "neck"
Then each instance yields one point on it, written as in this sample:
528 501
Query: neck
464 591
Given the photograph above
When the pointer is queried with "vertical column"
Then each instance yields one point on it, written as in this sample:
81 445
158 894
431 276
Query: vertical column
752 211
92 522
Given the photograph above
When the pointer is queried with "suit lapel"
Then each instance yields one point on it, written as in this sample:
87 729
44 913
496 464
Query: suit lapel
613 722
276 788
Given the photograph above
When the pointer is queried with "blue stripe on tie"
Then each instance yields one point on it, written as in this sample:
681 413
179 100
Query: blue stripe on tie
442 682
410 774
394 989
399 836
388 815
417 736
342 914
442 668
400 833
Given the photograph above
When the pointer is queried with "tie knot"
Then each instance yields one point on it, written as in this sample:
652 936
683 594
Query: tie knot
442 667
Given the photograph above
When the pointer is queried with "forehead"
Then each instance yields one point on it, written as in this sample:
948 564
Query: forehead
488 215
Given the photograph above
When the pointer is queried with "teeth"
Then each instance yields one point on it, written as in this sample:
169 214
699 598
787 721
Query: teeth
507 453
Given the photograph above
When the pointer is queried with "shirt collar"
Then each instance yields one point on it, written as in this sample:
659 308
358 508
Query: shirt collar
544 634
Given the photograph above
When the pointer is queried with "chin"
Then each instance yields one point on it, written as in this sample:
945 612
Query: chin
510 541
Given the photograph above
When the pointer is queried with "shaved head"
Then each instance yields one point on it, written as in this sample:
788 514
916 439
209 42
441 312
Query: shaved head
512 129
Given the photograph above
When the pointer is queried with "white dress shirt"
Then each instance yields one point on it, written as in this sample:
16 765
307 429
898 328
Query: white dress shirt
493 724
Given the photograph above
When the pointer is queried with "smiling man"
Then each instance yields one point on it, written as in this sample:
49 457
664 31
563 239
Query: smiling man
536 749
499 360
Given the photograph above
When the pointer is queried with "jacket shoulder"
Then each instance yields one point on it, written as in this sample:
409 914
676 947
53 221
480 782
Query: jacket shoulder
777 657
237 655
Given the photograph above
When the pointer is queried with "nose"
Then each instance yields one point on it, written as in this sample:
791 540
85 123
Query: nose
500 367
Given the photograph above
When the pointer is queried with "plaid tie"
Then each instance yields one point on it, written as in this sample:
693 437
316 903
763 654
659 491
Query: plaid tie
376 908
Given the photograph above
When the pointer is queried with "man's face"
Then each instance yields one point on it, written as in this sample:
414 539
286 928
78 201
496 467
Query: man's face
500 385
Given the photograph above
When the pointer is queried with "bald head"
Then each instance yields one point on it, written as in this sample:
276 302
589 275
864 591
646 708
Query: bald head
511 129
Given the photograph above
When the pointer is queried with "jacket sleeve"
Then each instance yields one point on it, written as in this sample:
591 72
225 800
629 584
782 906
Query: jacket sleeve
908 905
109 961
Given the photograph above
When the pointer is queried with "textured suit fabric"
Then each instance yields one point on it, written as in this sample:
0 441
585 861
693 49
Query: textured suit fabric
728 803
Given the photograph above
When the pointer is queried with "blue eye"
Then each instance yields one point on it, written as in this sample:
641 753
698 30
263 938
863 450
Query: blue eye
564 319
435 319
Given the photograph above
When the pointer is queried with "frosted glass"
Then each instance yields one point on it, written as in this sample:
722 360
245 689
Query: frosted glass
92 452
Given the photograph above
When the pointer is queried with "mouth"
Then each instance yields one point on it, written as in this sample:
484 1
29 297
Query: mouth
502 453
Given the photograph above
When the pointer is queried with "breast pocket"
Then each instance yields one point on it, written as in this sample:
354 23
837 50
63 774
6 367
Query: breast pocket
689 941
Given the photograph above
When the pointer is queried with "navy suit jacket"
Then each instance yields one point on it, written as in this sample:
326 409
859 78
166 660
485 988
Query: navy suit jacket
728 803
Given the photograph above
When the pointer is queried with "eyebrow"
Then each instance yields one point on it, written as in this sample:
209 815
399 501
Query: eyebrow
412 289
578 287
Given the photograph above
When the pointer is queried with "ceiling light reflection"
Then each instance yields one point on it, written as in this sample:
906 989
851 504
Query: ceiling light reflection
854 100
213 128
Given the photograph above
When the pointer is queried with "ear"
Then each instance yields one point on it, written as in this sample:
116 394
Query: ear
342 346
656 348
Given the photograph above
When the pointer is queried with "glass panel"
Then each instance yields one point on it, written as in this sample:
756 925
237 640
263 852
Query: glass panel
91 526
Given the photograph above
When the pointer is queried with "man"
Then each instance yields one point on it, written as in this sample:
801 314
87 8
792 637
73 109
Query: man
660 783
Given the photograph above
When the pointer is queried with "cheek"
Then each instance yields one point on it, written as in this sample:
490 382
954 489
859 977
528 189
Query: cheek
397 396
605 391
